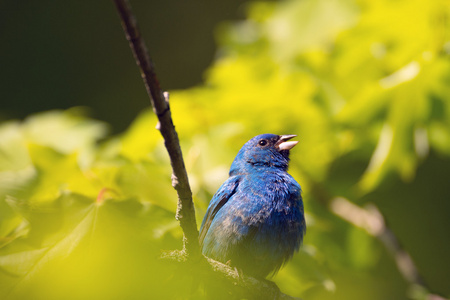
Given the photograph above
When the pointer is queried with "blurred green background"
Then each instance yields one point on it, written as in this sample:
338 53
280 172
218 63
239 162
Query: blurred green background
86 206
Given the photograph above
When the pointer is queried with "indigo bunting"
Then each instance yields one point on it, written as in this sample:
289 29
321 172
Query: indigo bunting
255 221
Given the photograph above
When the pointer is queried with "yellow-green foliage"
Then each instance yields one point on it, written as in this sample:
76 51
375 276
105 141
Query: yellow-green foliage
364 84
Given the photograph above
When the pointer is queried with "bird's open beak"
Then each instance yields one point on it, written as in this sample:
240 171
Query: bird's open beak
284 143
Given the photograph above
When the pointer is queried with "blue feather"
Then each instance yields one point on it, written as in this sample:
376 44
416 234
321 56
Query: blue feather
255 221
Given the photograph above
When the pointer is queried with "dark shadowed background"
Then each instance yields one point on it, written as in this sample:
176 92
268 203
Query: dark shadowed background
60 54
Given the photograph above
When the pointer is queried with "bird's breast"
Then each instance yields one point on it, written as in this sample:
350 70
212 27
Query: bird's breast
268 196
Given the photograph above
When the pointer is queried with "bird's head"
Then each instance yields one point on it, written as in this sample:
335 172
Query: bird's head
262 151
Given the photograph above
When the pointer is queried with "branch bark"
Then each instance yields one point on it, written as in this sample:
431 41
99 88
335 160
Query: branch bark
160 104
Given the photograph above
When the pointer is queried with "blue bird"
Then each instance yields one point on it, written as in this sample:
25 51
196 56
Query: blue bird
255 221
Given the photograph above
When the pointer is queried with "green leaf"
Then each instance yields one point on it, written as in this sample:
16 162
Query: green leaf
76 242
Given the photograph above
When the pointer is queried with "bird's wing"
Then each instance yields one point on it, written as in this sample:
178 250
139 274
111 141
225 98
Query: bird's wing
219 199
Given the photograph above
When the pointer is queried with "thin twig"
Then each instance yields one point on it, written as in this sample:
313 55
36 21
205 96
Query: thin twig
185 209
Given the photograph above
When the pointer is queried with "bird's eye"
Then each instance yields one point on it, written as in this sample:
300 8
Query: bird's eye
262 142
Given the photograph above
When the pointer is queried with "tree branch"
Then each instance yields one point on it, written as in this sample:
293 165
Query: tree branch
253 288
372 220
160 104
241 285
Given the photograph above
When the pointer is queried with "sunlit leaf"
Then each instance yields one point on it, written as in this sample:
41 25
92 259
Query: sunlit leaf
77 234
